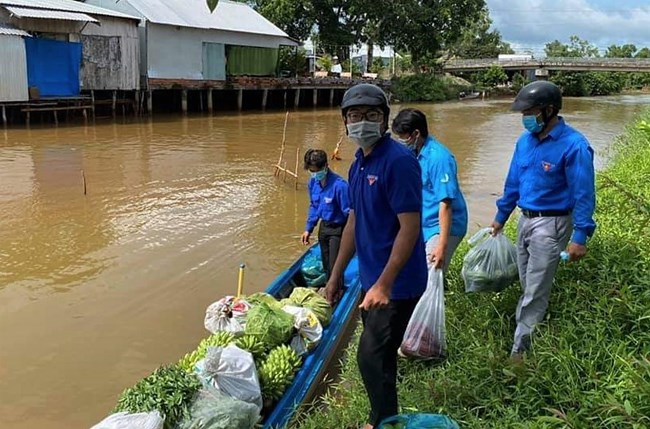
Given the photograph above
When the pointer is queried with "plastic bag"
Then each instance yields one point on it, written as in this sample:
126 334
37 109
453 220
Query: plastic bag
491 265
211 409
152 420
270 325
313 271
418 421
424 337
232 371
309 329
311 299
228 314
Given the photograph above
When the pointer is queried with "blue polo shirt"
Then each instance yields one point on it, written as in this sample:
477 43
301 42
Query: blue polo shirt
556 173
330 203
440 182
384 184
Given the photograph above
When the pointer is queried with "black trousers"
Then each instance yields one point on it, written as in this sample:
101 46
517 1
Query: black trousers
329 239
383 331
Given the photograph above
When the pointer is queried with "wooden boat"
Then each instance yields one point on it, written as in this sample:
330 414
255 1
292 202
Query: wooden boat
315 364
463 96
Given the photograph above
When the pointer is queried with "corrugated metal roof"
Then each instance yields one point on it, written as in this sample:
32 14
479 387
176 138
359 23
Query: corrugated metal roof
66 6
229 16
10 31
28 12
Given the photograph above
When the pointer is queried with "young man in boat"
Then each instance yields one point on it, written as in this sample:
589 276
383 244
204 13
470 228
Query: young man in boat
384 229
444 211
551 179
329 203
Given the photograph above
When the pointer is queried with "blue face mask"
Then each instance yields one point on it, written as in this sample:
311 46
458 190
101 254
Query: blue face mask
531 124
319 175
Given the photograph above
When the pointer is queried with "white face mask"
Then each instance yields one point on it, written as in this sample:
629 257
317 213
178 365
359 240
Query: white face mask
364 133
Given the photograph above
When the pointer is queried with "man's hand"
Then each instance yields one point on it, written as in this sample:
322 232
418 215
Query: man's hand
376 297
333 290
437 257
576 251
496 228
305 238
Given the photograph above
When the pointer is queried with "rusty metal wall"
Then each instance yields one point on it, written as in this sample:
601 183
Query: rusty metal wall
13 69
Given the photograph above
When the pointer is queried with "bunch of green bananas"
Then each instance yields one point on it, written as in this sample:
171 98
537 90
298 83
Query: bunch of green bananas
277 371
220 339
253 345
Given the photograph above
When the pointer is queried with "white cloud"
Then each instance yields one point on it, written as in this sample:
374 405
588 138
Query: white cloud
529 24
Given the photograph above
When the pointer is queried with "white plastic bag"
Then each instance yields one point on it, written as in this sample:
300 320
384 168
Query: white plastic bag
152 420
228 314
232 371
424 337
310 331
491 265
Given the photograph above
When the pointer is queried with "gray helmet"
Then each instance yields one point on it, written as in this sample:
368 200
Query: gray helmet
365 94
540 93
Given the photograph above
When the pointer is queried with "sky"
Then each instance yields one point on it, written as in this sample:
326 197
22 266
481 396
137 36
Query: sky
529 24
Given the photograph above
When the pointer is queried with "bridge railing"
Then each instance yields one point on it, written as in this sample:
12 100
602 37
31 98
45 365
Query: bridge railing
643 63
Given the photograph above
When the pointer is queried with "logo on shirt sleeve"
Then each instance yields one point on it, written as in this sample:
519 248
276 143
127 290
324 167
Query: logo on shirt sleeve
547 166
445 179
372 179
328 200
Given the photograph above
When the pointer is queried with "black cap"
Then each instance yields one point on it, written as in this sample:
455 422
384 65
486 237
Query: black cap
540 93
365 94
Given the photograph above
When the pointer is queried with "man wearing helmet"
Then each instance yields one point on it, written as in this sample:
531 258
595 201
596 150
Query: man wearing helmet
551 179
384 229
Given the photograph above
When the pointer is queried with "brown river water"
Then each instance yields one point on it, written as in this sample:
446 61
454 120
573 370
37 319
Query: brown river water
97 290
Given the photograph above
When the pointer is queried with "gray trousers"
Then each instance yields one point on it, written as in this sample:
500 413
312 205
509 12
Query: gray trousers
539 243
452 245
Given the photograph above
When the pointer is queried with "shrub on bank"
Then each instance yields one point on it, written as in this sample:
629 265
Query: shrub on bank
425 87
590 364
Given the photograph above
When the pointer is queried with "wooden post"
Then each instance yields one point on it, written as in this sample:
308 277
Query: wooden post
56 117
150 102
210 105
285 99
27 118
83 111
240 99
114 102
297 164
83 178
284 169
92 100
4 116
184 101
201 101
315 97
296 100
331 97
265 97
136 106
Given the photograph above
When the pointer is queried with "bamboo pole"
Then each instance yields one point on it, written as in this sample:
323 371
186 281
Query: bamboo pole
297 163
83 181
240 282
278 166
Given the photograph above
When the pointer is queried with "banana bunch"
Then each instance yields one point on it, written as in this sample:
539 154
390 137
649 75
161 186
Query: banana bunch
644 126
220 339
253 345
277 371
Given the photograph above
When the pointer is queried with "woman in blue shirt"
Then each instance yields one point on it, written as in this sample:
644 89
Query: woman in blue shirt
329 203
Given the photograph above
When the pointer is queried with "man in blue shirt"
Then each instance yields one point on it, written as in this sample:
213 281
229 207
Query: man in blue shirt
444 211
328 201
384 228
551 179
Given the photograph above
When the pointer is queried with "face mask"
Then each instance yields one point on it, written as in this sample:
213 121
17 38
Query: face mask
364 133
531 124
319 175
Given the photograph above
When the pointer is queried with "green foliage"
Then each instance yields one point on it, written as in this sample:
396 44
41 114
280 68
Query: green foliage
625 51
424 87
589 83
590 363
518 82
293 60
377 65
477 41
492 77
325 62
169 389
577 48
356 68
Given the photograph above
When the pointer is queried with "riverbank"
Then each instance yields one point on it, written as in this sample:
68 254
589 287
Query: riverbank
590 364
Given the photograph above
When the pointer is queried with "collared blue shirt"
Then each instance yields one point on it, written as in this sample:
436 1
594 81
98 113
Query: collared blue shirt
384 184
556 173
440 182
329 203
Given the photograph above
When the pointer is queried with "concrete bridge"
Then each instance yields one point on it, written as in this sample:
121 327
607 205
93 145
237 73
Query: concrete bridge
572 64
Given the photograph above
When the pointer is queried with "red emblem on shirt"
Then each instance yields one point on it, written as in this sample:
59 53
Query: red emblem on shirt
372 179
547 166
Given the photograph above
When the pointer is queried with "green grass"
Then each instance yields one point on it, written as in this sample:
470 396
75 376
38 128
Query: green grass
590 363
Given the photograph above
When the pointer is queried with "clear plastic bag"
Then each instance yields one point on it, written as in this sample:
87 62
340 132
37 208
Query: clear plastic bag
425 334
491 264
211 409
152 420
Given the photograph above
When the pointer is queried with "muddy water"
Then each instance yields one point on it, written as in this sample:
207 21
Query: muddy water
96 290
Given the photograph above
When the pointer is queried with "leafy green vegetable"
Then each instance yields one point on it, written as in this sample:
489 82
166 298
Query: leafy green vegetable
308 298
272 326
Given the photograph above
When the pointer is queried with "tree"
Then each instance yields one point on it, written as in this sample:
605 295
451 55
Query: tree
492 77
477 41
625 51
643 53
577 48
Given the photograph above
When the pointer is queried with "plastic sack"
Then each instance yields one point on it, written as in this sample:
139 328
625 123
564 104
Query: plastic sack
231 370
228 314
418 421
491 265
313 271
311 299
424 337
310 331
211 409
152 420
270 325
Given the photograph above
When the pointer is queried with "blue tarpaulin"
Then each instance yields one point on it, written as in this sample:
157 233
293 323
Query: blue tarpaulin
53 66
